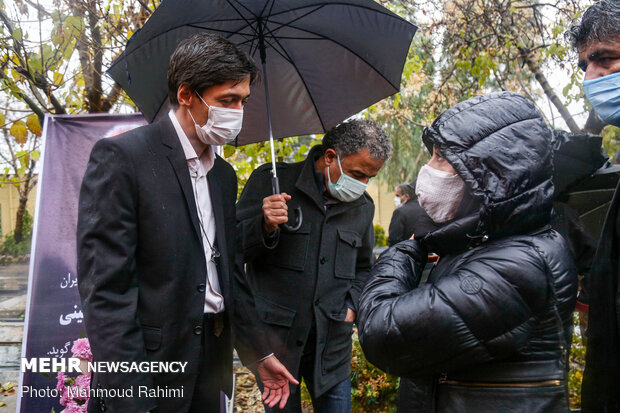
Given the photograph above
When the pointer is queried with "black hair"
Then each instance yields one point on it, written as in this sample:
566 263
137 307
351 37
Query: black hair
601 23
407 189
206 60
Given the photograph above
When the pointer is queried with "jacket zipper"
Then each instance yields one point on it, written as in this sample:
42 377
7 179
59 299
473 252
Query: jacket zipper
545 383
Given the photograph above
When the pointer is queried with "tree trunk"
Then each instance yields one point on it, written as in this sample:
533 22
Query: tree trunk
542 80
19 219
594 124
24 191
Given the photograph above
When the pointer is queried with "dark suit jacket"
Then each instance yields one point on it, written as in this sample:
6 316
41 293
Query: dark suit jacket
303 276
141 265
601 378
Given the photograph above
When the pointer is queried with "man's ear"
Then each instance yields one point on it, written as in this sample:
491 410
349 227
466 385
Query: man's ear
185 94
406 197
330 156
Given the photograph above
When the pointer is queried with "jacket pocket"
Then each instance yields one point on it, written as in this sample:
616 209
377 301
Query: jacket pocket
346 254
292 249
152 337
539 399
274 313
338 347
279 318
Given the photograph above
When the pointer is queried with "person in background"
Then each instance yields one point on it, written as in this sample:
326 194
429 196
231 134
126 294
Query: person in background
596 37
409 217
402 194
491 329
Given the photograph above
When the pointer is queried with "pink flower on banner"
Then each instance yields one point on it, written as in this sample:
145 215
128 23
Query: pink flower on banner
81 349
64 398
82 383
60 381
74 407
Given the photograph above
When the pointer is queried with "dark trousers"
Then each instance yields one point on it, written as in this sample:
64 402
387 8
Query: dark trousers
207 397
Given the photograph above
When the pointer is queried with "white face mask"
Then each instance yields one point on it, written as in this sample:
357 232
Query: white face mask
439 193
222 127
396 201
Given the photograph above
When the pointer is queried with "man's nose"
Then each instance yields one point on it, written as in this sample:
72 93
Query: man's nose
594 71
237 105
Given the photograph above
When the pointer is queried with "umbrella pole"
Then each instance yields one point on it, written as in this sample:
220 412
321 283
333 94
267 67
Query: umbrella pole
275 183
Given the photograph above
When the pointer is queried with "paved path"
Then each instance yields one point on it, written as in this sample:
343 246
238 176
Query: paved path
13 290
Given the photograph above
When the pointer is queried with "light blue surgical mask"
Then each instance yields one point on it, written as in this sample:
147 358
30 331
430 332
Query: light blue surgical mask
347 189
604 96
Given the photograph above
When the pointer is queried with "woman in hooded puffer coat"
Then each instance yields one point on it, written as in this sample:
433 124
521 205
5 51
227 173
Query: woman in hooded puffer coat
491 329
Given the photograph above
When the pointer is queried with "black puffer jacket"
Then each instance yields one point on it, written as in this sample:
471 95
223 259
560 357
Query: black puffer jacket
490 330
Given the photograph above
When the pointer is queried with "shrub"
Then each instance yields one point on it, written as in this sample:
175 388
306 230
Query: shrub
14 249
371 389
380 238
577 364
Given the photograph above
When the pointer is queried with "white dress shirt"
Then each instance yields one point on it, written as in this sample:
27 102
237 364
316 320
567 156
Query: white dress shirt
198 169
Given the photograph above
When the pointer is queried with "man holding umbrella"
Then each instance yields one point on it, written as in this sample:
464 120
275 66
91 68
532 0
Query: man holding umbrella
156 241
301 287
597 39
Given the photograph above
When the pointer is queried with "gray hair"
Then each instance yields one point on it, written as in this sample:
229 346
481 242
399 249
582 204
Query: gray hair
601 23
406 189
351 137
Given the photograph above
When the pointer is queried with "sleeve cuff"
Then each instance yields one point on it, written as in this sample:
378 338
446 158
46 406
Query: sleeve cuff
349 302
265 358
270 241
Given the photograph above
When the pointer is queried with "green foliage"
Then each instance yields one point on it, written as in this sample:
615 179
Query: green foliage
245 159
577 364
371 389
611 140
469 47
403 115
14 249
380 238
306 399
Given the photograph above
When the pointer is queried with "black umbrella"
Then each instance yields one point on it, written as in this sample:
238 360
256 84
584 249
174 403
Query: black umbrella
322 61
591 197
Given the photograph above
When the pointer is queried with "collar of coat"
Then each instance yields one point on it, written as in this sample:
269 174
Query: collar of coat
455 237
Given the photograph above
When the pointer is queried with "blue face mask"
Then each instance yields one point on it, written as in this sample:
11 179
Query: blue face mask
347 189
604 96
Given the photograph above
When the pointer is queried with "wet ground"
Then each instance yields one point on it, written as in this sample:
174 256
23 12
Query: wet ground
13 290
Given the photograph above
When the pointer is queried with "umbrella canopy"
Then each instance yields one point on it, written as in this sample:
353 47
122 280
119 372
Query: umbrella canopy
326 60
591 197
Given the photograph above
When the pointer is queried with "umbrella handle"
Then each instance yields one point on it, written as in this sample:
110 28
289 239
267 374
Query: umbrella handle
297 223
275 186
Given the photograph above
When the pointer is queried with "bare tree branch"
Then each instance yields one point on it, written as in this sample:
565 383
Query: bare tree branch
146 6
112 97
40 9
40 112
